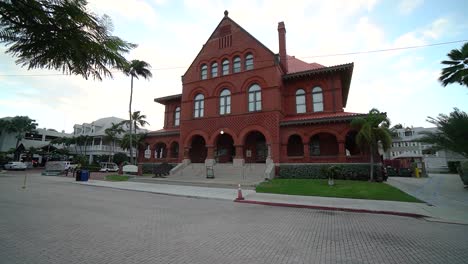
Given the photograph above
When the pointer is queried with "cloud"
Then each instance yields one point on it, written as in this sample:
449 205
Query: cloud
406 7
130 10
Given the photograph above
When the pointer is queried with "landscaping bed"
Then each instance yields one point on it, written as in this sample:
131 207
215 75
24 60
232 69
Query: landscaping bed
341 189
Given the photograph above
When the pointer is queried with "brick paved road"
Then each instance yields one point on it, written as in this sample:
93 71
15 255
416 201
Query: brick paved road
54 221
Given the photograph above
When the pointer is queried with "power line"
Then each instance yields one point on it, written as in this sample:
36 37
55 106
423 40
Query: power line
304 57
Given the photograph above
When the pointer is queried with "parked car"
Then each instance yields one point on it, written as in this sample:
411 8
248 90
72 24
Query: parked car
15 165
108 166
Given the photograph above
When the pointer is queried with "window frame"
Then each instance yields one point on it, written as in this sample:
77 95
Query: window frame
177 116
199 106
249 62
225 102
225 67
214 66
204 72
236 65
256 98
317 90
300 93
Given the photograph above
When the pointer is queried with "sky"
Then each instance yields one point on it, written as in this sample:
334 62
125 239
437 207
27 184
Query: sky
403 83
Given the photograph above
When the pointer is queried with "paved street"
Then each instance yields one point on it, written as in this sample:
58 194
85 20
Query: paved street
56 221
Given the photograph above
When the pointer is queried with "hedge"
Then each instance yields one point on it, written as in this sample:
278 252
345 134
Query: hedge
453 166
149 168
464 172
315 171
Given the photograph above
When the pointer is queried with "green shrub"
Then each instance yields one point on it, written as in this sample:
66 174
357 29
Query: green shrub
453 166
464 172
317 171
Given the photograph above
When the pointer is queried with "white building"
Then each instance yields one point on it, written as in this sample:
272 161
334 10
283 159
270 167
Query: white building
98 144
405 145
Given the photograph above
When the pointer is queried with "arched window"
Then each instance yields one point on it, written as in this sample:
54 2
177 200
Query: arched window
295 146
317 99
225 67
249 64
199 105
314 146
177 116
204 72
214 69
174 150
236 65
225 102
300 101
255 98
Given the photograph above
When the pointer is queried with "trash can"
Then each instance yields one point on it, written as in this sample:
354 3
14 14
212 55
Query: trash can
78 175
84 175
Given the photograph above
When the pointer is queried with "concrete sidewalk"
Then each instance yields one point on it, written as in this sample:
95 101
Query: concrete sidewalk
342 204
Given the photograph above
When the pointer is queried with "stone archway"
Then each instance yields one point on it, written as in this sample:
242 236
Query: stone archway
323 144
198 150
225 150
160 151
255 148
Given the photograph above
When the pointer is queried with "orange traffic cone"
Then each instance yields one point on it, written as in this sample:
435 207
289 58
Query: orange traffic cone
239 194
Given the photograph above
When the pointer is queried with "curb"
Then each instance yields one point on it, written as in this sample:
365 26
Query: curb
331 208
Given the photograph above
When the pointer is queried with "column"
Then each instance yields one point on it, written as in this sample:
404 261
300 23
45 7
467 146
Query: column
238 160
209 161
306 152
186 159
341 151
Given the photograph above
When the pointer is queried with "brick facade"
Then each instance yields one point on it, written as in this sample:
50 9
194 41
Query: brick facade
254 136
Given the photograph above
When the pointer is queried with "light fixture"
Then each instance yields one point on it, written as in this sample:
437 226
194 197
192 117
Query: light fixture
222 132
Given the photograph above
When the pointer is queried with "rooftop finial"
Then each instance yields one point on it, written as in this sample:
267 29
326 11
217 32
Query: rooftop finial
226 13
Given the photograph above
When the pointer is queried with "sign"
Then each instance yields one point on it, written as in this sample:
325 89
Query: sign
248 153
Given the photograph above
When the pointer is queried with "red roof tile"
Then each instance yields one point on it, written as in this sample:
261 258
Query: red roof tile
317 117
296 65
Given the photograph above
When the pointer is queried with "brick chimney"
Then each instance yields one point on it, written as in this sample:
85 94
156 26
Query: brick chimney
282 46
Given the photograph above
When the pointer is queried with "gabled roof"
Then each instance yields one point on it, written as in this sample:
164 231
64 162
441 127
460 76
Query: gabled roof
163 100
226 17
317 118
296 65
346 71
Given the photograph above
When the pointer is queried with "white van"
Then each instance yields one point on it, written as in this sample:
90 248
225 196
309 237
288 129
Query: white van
108 166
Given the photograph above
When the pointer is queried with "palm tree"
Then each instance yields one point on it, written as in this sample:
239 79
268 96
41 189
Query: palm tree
135 69
373 129
138 121
20 125
112 135
457 69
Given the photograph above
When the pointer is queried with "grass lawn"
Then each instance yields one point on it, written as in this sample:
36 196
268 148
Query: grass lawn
117 178
341 189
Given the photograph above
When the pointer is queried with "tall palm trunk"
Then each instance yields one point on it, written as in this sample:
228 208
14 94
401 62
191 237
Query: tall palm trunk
131 123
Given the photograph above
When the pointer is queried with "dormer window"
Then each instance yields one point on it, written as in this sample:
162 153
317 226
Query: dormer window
225 67
236 65
214 69
204 72
317 99
249 63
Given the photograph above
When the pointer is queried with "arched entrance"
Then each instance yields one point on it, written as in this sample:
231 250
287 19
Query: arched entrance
255 148
350 144
160 151
225 150
323 144
198 150
295 146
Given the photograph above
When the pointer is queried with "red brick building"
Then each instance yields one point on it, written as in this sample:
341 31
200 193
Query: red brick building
243 103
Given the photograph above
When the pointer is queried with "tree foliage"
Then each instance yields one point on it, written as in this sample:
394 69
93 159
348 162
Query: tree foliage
457 67
372 131
61 35
452 132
